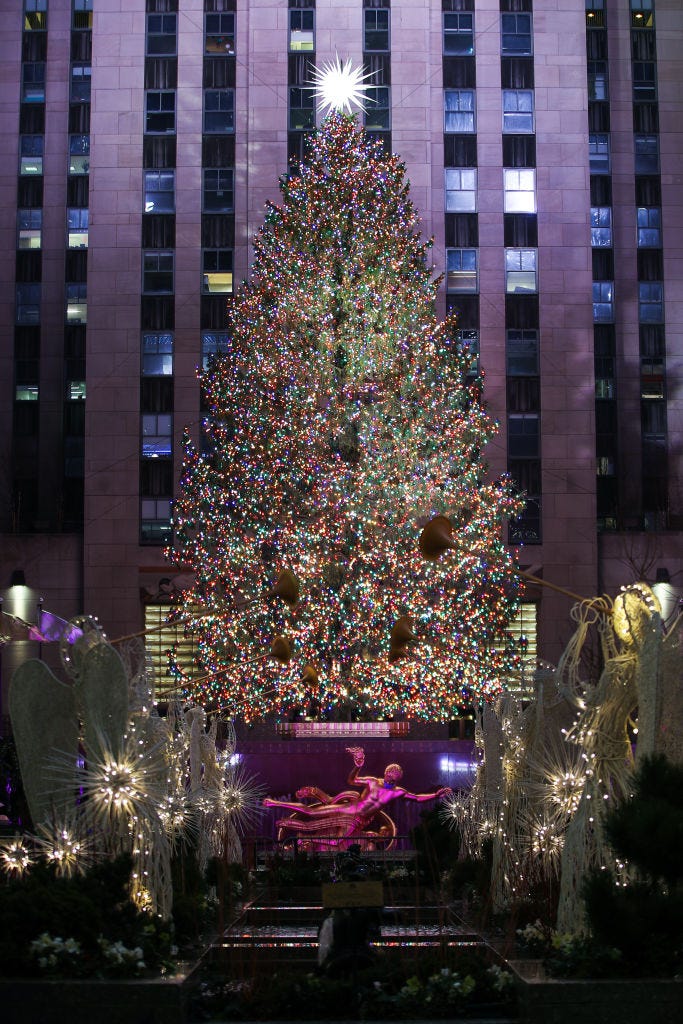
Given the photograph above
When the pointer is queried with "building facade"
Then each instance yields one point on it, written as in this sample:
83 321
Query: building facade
543 143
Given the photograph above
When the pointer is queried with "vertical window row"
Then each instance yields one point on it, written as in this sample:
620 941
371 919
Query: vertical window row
520 229
29 265
300 61
460 171
602 242
157 303
377 64
651 324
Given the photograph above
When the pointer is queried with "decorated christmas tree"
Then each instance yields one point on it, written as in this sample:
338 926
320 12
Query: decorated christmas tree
343 418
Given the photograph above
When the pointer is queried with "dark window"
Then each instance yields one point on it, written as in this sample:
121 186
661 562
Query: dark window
80 83
33 83
161 35
218 192
458 33
375 29
301 109
521 348
219 110
159 112
157 272
516 35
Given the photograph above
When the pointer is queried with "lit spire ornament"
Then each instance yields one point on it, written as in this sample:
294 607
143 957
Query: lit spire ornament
342 418
338 86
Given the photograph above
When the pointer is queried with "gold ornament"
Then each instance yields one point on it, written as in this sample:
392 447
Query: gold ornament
436 537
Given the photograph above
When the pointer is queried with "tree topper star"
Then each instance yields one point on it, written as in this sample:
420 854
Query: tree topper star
337 85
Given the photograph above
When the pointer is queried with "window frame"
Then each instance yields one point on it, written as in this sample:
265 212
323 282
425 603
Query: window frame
161 34
647 214
29 228
450 190
225 265
148 190
377 14
599 152
76 302
519 199
514 275
80 74
154 448
309 108
299 35
213 344
601 221
221 120
528 364
26 155
77 225
647 304
225 207
155 256
460 110
374 106
461 279
152 116
516 121
33 75
455 28
156 354
603 302
510 22
529 440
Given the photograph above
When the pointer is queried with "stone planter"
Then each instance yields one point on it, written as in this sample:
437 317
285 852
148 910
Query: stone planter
544 1000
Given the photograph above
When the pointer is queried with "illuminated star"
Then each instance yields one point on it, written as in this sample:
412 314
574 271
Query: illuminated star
338 85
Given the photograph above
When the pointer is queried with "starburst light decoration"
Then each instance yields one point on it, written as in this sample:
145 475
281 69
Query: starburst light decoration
15 857
338 86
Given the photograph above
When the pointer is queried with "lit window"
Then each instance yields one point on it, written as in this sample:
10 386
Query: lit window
375 30
649 226
301 31
76 303
157 435
157 355
458 110
642 14
650 302
598 151
461 189
77 228
28 303
157 273
377 117
159 111
458 34
220 33
33 82
601 226
605 465
29 229
521 350
603 301
520 271
462 270
161 35
80 83
516 35
598 82
26 393
218 194
75 391
219 111
159 191
523 436
519 190
79 154
31 154
213 345
518 110
646 154
604 387
35 15
217 271
301 109
155 521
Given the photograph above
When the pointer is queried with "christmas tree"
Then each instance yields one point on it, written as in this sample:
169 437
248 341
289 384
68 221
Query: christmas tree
342 418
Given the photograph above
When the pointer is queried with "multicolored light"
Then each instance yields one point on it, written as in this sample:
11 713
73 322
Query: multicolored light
341 419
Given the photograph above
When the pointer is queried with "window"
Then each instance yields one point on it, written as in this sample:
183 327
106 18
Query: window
649 226
220 33
644 80
157 434
650 302
516 35
35 15
521 350
29 229
157 273
80 83
518 110
603 301
75 391
598 151
76 303
28 303
218 194
458 34
161 35
157 355
523 436
159 189
462 270
159 112
33 83
301 109
155 521
26 393
646 154
598 83
458 110
377 117
77 228
217 271
461 189
31 154
219 111
468 340
82 14
79 154
519 190
642 13
601 226
520 271
375 30
213 345
301 31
